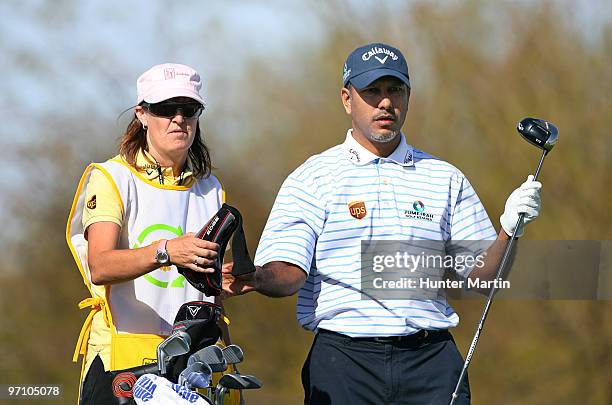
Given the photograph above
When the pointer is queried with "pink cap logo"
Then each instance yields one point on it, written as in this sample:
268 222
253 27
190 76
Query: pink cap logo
169 73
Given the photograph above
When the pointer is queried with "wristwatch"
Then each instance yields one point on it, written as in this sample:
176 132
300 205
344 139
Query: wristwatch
161 256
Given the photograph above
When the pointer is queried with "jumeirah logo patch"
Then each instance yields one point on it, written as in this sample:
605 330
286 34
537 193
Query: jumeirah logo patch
418 211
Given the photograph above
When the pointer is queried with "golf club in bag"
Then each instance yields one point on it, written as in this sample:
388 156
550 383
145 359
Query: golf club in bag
235 382
543 135
156 390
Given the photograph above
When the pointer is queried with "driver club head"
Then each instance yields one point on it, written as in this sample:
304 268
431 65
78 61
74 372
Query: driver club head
540 133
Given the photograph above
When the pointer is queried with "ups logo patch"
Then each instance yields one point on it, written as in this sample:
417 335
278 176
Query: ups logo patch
357 209
91 204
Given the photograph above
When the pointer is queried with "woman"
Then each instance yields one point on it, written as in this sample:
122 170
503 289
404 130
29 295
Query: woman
132 224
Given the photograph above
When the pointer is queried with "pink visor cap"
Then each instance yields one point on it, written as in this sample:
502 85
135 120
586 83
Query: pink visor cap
166 81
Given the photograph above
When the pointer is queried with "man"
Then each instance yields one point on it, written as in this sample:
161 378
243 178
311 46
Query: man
374 186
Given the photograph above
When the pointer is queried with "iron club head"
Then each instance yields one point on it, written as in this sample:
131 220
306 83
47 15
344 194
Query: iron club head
196 375
240 382
540 133
233 354
253 381
174 345
211 355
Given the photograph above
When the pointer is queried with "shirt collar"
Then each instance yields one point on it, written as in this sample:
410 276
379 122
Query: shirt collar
360 156
147 166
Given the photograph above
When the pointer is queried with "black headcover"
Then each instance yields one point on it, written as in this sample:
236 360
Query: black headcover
199 320
225 223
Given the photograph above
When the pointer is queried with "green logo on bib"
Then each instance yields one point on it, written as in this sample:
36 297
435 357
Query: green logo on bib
179 281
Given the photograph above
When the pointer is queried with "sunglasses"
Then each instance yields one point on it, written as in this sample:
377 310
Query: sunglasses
168 109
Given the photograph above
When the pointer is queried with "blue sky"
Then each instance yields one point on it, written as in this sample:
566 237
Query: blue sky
119 39
95 50
71 53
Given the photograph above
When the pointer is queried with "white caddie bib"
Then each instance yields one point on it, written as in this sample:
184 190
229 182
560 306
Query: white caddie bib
148 304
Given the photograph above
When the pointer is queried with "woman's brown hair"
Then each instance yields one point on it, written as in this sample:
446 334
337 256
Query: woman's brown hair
134 139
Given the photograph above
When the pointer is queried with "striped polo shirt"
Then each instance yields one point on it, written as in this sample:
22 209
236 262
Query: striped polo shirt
311 226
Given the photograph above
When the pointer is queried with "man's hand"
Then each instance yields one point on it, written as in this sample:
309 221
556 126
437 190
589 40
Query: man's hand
274 279
523 200
232 285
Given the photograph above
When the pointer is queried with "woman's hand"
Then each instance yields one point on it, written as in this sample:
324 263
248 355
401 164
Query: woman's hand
192 253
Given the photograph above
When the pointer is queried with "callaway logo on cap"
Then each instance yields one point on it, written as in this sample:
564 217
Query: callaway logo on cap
371 62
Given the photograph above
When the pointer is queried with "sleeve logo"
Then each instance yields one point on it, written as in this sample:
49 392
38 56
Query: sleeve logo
91 204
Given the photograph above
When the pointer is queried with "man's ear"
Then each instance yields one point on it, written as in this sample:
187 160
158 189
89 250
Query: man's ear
345 95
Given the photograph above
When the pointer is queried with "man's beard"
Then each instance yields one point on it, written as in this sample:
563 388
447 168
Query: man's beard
382 138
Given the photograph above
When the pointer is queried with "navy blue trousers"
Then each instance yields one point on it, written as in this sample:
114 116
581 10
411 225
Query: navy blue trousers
344 371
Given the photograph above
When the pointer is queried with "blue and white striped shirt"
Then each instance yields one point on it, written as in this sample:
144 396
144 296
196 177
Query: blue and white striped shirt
310 225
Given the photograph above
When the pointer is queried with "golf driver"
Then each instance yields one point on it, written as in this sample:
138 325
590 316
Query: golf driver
174 345
544 135
235 382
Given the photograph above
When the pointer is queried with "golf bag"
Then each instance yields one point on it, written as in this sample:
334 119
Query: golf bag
196 318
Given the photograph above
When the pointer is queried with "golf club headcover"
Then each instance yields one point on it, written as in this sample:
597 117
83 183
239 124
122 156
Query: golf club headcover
199 320
225 223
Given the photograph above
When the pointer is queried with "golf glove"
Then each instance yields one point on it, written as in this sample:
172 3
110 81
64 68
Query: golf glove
525 199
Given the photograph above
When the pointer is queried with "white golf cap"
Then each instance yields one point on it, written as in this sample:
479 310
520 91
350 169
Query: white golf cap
166 81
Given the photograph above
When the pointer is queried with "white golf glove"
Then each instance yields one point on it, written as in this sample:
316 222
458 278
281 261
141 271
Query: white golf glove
525 199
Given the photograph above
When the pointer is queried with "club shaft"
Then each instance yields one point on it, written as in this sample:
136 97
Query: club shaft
537 172
222 399
487 306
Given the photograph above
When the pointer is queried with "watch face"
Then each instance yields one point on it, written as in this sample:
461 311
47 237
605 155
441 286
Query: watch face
162 257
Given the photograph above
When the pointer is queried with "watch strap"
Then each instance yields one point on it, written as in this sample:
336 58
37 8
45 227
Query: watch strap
161 256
